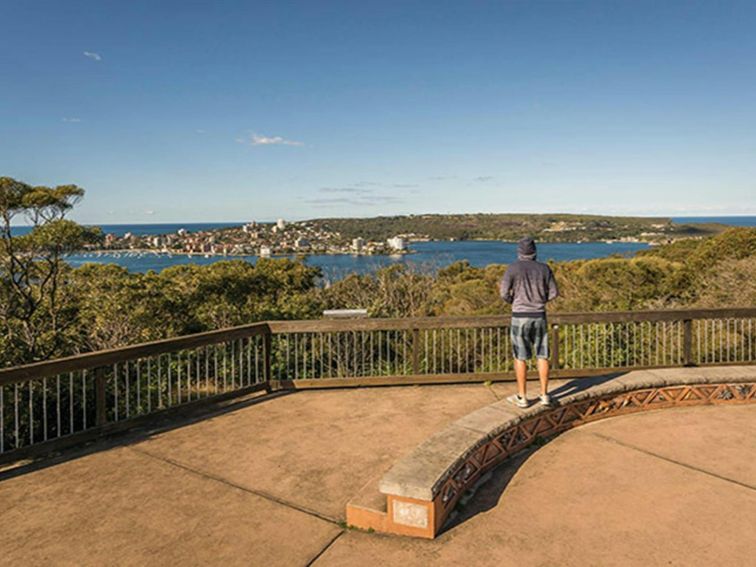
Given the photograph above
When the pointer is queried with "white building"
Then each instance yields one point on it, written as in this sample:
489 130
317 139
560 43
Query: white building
265 251
357 244
280 224
181 232
397 243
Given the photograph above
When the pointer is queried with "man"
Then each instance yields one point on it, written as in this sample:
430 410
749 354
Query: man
528 285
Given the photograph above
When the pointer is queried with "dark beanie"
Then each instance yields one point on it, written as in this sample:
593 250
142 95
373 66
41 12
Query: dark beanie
526 248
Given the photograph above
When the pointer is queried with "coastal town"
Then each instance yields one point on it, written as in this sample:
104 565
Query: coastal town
393 235
257 239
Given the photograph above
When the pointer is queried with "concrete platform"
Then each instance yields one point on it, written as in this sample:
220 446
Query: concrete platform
267 485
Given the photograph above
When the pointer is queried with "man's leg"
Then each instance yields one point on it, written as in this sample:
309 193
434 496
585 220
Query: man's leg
542 354
521 351
543 375
521 372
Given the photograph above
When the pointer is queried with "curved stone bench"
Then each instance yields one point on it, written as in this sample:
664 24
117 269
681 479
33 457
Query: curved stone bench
422 489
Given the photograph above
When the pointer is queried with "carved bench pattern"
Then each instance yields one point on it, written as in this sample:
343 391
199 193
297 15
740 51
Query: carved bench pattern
520 436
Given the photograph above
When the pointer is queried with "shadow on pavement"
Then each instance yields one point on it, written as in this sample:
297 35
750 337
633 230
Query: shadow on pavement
160 423
488 493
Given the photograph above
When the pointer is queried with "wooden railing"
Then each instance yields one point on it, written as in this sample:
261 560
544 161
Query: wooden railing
97 392
50 400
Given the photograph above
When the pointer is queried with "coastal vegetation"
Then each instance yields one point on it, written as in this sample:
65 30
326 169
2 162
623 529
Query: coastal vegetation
511 227
49 309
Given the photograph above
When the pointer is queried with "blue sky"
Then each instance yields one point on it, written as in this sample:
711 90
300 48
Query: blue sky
217 111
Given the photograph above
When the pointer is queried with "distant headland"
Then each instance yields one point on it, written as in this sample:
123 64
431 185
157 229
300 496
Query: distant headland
391 234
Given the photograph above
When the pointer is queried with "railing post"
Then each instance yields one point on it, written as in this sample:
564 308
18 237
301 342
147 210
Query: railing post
554 347
267 357
687 342
415 352
101 410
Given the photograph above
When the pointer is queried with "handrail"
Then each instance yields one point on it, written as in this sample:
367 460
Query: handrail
111 356
408 323
105 357
56 400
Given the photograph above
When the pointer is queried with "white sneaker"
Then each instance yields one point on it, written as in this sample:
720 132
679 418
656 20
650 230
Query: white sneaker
518 400
546 400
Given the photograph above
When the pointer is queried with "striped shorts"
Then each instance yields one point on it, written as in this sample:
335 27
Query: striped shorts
530 335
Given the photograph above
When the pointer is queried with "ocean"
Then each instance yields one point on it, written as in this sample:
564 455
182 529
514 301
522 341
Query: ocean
157 228
731 221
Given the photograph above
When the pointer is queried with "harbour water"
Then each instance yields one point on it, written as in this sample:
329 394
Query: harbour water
425 256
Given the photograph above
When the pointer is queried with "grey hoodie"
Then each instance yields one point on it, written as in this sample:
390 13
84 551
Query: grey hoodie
528 285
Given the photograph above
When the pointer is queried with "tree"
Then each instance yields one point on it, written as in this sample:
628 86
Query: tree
116 307
36 314
393 291
234 292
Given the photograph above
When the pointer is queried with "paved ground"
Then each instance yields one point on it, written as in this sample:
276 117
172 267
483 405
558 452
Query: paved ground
267 485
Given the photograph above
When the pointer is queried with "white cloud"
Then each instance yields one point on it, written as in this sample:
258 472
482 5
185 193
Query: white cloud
260 140
93 56
70 119
272 141
350 190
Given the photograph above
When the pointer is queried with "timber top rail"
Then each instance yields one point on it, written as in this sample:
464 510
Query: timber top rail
396 324
131 352
94 392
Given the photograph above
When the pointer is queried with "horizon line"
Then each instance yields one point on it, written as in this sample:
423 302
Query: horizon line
303 219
